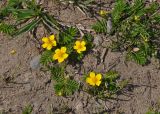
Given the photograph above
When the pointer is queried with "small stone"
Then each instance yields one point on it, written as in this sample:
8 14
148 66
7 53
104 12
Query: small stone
35 62
109 25
136 49
97 40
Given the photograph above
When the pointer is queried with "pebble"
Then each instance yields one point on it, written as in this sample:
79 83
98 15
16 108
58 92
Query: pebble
35 62
97 40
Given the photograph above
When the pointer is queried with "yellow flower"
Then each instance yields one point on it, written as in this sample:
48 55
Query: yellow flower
60 54
80 46
94 79
13 52
59 93
136 18
49 42
103 12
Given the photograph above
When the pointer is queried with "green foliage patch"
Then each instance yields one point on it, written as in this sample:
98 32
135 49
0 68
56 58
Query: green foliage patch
136 27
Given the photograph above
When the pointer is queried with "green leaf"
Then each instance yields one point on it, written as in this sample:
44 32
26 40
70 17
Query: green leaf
46 57
140 57
27 27
57 73
6 28
58 87
100 26
68 36
67 86
50 21
70 87
111 75
22 14
27 110
120 7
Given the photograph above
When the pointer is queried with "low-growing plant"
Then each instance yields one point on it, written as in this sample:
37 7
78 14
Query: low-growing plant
64 85
104 85
64 46
68 43
136 27
61 49
27 110
25 16
152 112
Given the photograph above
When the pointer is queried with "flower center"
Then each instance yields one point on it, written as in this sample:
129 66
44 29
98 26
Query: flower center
60 54
80 46
50 41
94 80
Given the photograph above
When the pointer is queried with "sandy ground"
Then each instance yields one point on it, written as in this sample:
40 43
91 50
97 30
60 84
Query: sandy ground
20 85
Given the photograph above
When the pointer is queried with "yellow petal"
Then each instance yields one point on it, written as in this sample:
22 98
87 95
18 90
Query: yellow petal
60 60
45 39
92 75
103 12
83 43
98 83
63 49
77 43
65 55
55 56
54 43
44 45
78 51
98 77
52 37
89 81
75 47
57 50
49 47
84 48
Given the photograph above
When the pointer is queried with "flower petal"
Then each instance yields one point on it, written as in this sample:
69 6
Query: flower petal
54 43
55 56
60 59
78 51
65 55
98 77
77 43
57 50
45 39
44 45
83 43
89 81
84 48
52 37
63 49
49 47
75 47
92 75
98 83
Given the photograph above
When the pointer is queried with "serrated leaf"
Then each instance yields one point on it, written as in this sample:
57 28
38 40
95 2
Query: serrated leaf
140 57
6 28
27 110
67 36
57 73
100 26
46 57
111 75
71 86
